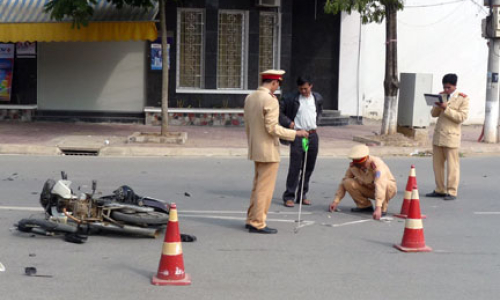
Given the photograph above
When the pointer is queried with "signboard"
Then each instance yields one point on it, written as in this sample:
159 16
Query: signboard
26 50
6 70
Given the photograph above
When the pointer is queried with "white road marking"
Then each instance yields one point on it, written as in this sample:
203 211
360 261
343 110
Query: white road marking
21 208
28 208
237 212
347 223
303 223
487 213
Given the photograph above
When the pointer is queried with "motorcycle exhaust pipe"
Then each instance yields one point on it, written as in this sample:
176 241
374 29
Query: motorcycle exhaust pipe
126 229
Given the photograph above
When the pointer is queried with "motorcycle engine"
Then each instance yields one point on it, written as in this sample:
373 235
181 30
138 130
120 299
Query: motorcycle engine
80 209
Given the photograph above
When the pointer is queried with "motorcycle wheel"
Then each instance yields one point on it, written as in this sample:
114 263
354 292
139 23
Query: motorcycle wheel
149 218
46 195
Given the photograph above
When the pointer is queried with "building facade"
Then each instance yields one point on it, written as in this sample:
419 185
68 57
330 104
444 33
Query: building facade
216 50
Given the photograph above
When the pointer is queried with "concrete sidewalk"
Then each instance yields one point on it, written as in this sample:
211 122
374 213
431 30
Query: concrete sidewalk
46 138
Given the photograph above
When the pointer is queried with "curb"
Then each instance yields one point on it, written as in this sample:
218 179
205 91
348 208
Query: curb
155 151
29 150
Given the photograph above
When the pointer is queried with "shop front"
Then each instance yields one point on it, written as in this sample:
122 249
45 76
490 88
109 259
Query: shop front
53 70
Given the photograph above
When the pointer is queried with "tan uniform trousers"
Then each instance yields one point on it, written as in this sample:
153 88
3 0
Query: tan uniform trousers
262 193
361 193
440 156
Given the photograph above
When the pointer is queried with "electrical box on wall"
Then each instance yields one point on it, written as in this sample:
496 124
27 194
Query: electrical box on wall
412 108
268 3
496 21
491 2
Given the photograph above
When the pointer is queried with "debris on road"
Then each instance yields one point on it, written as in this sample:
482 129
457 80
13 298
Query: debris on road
31 271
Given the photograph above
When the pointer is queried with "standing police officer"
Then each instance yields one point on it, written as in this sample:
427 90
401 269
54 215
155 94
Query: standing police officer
263 133
446 140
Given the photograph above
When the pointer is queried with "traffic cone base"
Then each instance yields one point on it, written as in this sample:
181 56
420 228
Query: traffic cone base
406 249
185 281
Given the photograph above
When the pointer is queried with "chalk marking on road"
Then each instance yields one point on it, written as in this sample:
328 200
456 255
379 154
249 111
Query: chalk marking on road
346 223
487 212
304 223
21 208
238 212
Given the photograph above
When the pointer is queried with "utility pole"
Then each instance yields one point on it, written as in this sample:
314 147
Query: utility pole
491 31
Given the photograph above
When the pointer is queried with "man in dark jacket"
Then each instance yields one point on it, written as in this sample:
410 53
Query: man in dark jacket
300 111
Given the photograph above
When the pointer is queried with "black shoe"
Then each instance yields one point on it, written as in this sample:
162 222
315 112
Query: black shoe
265 230
450 197
384 214
247 226
435 194
368 209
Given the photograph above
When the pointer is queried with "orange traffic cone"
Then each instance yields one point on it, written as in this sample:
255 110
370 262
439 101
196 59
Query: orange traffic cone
413 237
405 207
171 269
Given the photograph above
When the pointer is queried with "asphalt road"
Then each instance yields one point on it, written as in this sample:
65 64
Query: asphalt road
339 256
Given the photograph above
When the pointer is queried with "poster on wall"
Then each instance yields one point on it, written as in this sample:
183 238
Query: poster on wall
156 58
6 70
156 61
26 50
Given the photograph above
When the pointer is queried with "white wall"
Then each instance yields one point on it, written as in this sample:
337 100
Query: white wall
434 39
94 76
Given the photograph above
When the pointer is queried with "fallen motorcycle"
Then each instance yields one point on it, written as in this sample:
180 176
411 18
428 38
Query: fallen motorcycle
78 216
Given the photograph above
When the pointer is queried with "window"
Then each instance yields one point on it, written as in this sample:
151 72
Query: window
190 48
231 50
268 41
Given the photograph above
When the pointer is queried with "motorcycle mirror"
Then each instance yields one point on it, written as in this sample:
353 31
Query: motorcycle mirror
94 185
64 176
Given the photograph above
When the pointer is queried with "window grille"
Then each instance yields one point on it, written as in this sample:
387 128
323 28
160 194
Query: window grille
268 41
231 50
190 51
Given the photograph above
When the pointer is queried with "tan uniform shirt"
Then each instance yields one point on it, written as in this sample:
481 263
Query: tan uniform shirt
448 130
262 126
377 176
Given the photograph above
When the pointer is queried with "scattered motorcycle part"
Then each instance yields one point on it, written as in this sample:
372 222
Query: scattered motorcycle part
187 194
148 218
75 238
31 271
187 238
2 267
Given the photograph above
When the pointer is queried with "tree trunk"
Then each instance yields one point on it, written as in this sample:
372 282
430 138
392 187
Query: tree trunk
391 82
164 56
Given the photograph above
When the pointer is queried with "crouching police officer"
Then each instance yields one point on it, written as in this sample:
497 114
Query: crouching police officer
367 177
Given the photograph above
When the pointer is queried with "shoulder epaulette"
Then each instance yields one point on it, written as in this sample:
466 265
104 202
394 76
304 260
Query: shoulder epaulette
373 165
463 95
